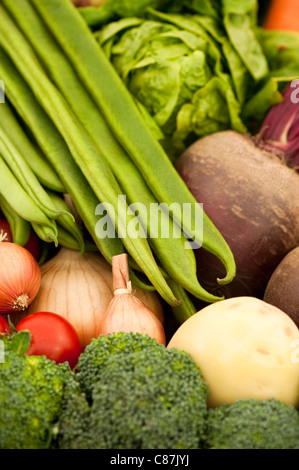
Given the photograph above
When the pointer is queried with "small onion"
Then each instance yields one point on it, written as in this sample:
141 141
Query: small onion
126 313
80 288
20 278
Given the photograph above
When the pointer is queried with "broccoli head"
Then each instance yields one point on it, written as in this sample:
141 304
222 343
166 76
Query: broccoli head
31 391
142 398
252 424
95 354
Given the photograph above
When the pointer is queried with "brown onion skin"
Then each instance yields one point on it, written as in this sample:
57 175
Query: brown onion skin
282 290
252 197
20 275
80 288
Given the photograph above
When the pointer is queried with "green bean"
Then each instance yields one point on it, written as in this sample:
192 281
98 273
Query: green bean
30 152
84 151
27 178
178 261
44 234
186 308
122 115
57 152
67 239
20 228
19 200
64 222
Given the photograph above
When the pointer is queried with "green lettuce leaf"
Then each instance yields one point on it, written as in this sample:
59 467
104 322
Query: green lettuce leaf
196 67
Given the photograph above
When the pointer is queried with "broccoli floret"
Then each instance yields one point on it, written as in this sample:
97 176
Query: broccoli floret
252 424
31 391
150 398
95 354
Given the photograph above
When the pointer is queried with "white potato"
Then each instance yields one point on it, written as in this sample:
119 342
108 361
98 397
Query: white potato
245 348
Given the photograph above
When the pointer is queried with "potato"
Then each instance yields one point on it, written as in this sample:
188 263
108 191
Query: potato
245 348
282 290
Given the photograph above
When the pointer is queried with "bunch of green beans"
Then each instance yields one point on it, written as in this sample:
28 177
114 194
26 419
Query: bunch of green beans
96 146
25 198
134 186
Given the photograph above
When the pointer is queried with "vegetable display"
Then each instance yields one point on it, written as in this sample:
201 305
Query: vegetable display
14 228
125 312
149 228
52 336
80 288
196 68
85 154
128 176
250 424
282 288
249 187
142 396
31 390
20 278
245 348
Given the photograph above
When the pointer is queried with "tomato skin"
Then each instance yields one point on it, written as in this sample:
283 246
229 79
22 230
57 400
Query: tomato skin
52 336
4 325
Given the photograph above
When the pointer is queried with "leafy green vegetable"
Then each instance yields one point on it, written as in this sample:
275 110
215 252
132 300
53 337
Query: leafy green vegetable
197 67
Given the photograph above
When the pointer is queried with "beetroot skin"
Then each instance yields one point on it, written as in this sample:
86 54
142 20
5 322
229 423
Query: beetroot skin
252 197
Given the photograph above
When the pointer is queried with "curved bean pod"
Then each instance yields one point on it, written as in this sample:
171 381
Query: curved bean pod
20 228
178 261
84 151
123 117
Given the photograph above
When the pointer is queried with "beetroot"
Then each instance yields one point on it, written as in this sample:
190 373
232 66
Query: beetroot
282 290
249 187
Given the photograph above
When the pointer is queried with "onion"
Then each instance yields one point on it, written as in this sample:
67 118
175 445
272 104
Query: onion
80 288
20 278
249 187
126 313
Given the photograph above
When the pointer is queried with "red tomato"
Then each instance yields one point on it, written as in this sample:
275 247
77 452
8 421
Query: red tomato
52 336
33 244
4 325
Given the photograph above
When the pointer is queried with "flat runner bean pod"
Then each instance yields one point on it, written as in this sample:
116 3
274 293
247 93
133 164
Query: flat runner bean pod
19 227
186 309
123 117
22 204
43 233
84 151
27 178
57 152
30 152
67 239
178 261
66 223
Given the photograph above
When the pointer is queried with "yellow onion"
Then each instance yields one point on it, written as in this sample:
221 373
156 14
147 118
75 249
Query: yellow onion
20 278
126 313
80 288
